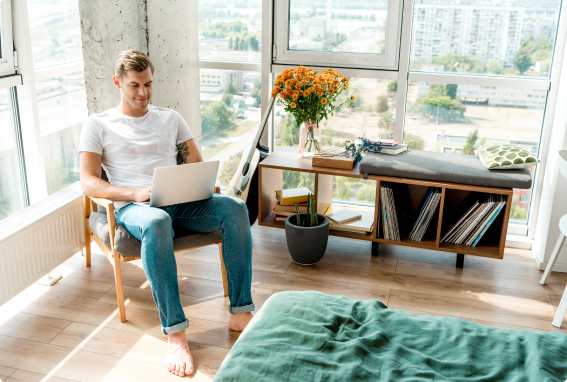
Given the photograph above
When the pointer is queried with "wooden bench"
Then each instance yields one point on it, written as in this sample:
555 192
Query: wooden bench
454 197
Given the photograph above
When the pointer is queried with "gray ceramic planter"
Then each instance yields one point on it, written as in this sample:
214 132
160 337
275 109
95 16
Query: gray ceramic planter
306 245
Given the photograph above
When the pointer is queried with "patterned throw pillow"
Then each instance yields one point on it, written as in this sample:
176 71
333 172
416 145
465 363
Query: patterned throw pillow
497 156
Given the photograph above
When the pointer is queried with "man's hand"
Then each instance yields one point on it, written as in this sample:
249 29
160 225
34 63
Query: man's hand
143 195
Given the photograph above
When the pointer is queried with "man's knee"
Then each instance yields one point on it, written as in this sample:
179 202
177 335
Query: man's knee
159 221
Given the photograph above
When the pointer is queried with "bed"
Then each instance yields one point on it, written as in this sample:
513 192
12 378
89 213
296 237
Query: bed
311 336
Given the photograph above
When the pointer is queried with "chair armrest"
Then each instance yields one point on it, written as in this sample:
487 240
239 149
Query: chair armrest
102 202
217 189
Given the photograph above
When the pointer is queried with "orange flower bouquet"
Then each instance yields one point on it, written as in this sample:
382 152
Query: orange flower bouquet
310 97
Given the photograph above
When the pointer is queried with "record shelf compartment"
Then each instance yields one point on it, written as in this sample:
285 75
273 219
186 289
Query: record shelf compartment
455 200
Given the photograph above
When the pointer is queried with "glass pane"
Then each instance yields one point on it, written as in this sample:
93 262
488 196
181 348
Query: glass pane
372 115
458 119
1 47
62 105
230 30
10 187
332 26
230 114
55 32
498 37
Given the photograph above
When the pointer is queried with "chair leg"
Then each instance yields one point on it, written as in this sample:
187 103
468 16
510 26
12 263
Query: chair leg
223 269
88 247
552 259
119 289
87 202
561 310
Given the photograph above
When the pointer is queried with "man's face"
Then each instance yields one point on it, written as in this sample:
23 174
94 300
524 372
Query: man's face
136 88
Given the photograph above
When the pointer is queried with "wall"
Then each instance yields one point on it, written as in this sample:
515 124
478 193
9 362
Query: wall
108 28
173 47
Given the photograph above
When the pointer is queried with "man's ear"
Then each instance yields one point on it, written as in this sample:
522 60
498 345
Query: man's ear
116 81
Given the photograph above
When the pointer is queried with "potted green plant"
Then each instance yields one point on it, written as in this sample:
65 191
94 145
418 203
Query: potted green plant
307 234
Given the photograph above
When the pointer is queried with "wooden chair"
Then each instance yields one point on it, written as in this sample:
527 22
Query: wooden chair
118 245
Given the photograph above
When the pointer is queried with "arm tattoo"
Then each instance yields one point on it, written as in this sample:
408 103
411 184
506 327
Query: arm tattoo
183 151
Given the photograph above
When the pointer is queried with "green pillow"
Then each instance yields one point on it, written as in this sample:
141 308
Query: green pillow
498 156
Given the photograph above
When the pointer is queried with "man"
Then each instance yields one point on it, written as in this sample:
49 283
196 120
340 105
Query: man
129 142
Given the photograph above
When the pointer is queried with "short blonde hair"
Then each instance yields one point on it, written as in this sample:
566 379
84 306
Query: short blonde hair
132 60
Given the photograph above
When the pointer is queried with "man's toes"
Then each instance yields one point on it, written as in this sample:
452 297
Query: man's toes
188 369
177 368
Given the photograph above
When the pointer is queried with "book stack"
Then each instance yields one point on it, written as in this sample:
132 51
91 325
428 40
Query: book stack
472 226
428 208
388 146
286 200
388 211
351 219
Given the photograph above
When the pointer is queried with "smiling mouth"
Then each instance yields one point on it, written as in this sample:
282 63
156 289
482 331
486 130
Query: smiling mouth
141 99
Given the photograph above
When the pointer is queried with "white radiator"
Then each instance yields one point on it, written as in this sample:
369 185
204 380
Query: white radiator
39 238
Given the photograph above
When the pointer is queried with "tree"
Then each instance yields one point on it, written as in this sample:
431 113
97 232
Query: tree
230 45
386 120
393 86
493 67
382 104
256 94
523 61
254 43
289 132
443 107
227 99
449 90
414 142
231 88
214 116
229 168
454 62
468 149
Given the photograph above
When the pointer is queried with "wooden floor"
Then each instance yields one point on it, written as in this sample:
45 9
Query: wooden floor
71 331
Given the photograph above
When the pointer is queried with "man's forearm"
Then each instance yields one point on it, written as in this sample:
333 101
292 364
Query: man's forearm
98 188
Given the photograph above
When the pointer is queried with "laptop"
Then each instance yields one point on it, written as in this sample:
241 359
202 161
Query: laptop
183 183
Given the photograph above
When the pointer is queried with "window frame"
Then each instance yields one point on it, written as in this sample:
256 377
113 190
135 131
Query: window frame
7 65
271 63
387 61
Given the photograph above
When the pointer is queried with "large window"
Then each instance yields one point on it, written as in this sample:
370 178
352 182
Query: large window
498 38
55 32
362 33
6 42
230 30
11 187
469 73
62 111
230 115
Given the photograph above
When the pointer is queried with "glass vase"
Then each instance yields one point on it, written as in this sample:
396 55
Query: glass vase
309 139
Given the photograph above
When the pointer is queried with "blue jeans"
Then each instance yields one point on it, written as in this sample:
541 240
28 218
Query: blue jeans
154 228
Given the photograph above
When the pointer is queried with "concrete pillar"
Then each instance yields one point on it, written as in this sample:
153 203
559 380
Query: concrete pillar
107 28
173 46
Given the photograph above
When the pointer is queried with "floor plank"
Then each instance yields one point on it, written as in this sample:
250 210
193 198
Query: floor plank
137 346
30 326
468 309
26 376
483 277
280 282
88 366
497 295
5 372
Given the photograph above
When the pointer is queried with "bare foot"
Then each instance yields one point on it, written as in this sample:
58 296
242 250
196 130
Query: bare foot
238 322
178 358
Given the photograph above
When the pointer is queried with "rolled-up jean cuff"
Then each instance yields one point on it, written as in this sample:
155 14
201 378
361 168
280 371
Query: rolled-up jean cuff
241 309
176 328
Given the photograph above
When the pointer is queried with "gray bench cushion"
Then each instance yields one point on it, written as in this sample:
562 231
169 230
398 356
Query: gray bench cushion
441 167
128 246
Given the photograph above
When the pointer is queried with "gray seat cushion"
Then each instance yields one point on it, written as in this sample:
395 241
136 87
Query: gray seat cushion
441 167
128 246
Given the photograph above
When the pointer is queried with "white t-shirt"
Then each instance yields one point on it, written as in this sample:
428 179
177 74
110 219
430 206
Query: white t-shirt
132 147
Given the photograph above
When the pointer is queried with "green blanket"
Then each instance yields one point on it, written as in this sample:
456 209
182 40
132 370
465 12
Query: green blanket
310 336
